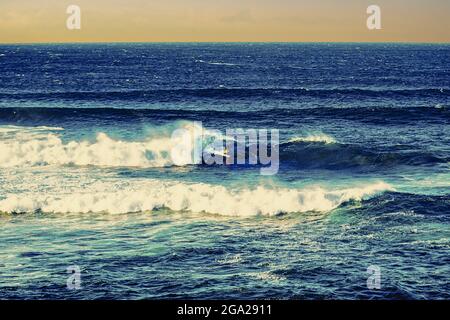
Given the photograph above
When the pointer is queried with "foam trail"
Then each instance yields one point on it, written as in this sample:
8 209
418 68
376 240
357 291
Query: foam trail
216 63
19 129
320 138
153 194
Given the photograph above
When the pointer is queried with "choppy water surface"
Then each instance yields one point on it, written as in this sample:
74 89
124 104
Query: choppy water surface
86 177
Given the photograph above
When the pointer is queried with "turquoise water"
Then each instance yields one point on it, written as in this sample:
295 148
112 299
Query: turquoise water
181 255
86 178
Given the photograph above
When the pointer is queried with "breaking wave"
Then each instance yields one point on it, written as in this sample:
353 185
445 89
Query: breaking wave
104 151
41 146
35 146
177 196
320 138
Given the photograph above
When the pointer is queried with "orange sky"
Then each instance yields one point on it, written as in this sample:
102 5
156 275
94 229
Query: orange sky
224 20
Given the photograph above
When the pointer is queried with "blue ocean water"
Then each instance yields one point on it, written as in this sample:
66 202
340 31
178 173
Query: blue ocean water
363 179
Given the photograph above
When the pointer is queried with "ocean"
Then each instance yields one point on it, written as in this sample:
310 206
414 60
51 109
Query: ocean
88 195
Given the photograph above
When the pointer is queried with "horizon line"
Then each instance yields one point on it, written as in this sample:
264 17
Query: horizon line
225 42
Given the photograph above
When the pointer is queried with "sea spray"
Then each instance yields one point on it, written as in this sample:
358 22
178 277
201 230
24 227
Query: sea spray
148 195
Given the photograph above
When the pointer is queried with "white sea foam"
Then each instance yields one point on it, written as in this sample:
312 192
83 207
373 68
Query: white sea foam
104 151
32 146
321 138
221 64
147 195
18 129
82 192
215 63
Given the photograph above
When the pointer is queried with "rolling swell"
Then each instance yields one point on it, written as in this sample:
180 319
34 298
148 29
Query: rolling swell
37 146
281 249
336 156
163 95
392 208
384 115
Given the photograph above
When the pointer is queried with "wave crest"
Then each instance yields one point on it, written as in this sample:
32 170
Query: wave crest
104 151
178 196
320 138
34 146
